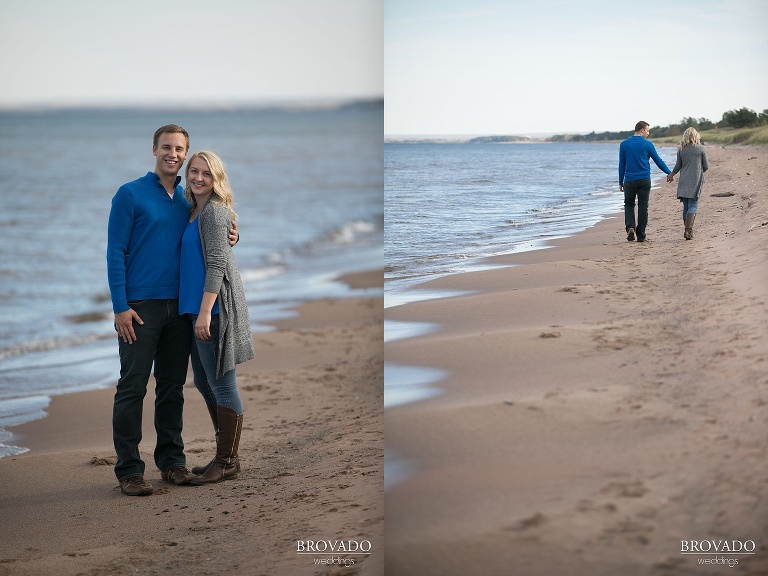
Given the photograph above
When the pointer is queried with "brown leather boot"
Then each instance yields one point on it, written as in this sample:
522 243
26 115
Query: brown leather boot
197 470
689 218
226 464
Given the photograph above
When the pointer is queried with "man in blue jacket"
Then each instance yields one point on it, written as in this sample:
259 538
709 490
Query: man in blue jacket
146 223
635 178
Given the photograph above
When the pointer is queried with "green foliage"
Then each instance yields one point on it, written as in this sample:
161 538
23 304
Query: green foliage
742 118
749 136
739 119
592 137
498 139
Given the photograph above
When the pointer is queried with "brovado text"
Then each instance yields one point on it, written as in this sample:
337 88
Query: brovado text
718 546
333 546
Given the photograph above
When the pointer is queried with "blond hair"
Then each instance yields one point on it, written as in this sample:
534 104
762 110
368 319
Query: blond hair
222 193
690 136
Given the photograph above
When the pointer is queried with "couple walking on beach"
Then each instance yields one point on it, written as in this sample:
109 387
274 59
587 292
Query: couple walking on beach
635 178
176 291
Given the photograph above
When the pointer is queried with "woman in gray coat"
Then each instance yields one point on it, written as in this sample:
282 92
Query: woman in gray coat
211 292
691 164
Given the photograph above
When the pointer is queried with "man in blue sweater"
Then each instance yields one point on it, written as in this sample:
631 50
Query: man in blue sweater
146 223
635 178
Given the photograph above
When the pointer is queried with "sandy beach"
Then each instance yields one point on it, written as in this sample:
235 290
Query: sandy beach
311 452
606 400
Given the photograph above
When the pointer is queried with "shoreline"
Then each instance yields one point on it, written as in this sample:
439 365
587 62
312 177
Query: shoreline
361 280
311 451
601 396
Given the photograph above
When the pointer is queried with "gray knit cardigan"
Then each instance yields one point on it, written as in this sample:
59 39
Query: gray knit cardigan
691 164
222 278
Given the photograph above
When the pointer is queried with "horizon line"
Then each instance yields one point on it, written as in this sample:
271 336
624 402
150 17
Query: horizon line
197 105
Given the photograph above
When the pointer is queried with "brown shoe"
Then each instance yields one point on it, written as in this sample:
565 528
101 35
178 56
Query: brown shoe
630 234
226 463
177 475
136 486
213 411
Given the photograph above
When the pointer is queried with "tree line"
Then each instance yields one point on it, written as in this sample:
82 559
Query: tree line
742 118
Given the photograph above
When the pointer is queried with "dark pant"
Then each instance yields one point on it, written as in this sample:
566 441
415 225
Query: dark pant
640 189
163 340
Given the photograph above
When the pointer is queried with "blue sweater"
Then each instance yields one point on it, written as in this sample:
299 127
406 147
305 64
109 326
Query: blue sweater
634 153
144 241
192 271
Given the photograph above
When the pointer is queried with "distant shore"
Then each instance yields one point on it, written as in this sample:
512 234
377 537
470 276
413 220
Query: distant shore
725 136
605 399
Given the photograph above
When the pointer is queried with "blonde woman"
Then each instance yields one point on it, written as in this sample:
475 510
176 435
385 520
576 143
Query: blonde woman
211 292
691 164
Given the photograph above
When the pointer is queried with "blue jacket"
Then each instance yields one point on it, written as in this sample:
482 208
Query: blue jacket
634 153
144 241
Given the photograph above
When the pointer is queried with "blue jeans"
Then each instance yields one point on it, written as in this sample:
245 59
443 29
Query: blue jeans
690 206
163 341
640 189
216 391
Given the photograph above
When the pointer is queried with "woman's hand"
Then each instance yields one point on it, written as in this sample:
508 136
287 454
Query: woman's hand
203 326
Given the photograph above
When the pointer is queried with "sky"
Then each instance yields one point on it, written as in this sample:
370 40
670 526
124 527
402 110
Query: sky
459 67
143 52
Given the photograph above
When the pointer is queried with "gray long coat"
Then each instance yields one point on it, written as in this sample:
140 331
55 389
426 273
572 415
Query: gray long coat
223 278
691 164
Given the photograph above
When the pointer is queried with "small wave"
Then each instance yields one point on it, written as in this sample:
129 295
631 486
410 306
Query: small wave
351 231
51 344
520 222
257 274
88 317
540 210
602 193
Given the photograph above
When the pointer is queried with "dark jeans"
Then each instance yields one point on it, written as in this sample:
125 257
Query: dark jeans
640 189
163 340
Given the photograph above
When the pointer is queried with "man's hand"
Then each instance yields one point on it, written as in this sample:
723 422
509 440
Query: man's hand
670 178
233 235
124 325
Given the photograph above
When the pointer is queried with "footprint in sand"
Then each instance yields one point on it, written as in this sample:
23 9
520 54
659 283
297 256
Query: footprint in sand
526 523
634 489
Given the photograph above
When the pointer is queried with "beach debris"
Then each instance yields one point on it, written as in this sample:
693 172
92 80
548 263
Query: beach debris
552 334
531 522
108 461
630 489
723 194
752 158
757 224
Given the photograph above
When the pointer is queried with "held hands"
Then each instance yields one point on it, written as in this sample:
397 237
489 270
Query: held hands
670 177
234 237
